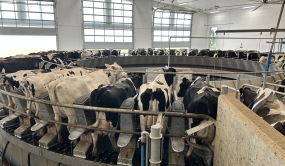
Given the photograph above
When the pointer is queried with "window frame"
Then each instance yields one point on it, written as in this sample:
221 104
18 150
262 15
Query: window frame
22 17
109 23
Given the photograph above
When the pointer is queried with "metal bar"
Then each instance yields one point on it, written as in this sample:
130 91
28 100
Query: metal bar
114 110
250 30
274 38
156 72
220 37
277 85
91 128
237 85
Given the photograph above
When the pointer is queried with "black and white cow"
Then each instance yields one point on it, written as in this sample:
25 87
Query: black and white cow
142 52
137 79
133 52
173 52
266 105
183 52
204 52
201 98
155 96
253 55
115 52
106 52
150 51
160 52
193 52
110 96
185 84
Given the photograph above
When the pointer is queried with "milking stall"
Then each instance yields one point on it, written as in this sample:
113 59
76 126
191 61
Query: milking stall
142 82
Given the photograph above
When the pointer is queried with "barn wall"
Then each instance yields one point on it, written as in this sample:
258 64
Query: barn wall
242 138
199 29
264 18
69 25
142 23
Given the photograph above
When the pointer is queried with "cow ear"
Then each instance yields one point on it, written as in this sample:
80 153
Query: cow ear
113 67
108 66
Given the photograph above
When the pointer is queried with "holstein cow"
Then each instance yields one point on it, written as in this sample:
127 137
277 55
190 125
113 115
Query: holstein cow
150 51
133 52
142 52
155 96
68 90
110 96
266 105
183 52
193 52
35 83
160 52
201 98
253 55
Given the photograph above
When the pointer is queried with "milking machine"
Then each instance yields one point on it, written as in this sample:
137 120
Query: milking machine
177 127
4 98
127 142
46 112
14 119
86 118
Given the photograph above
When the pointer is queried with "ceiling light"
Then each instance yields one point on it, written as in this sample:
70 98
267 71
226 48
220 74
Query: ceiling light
183 3
215 12
248 7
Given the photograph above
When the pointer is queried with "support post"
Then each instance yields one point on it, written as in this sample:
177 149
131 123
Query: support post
264 80
224 90
274 39
237 85
208 79
169 50
155 136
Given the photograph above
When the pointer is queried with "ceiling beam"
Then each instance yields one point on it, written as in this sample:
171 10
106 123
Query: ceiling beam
250 30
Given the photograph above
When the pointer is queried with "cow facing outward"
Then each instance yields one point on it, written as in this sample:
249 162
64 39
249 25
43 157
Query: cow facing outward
110 96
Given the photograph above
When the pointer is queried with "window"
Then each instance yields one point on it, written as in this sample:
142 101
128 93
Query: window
167 23
27 13
213 41
107 20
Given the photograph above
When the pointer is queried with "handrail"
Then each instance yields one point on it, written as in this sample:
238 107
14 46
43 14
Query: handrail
111 110
257 87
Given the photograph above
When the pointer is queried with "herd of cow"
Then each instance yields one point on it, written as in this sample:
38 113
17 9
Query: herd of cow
109 88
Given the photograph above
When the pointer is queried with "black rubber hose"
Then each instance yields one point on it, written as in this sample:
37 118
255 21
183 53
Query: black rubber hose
29 159
4 151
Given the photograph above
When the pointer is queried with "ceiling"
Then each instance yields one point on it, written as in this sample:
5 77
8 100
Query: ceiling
214 5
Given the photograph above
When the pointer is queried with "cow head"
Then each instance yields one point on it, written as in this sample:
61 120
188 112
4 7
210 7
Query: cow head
169 77
247 96
137 79
116 69
185 84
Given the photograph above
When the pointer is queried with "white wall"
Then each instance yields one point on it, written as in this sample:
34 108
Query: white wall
199 29
263 18
69 23
142 23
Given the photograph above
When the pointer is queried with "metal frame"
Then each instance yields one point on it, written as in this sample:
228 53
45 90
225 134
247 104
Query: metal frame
250 30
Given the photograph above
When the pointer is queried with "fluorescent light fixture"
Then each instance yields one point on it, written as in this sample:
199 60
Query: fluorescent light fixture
215 12
248 7
183 3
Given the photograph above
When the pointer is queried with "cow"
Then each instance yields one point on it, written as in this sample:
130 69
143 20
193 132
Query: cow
34 84
185 84
142 52
231 54
106 52
150 52
241 55
201 98
264 56
204 52
160 52
110 96
266 105
173 52
155 96
115 52
68 90
183 52
137 79
133 52
193 52
253 55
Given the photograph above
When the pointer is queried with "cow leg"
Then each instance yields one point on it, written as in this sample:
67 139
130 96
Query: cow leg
71 118
57 118
95 139
111 136
143 122
190 150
